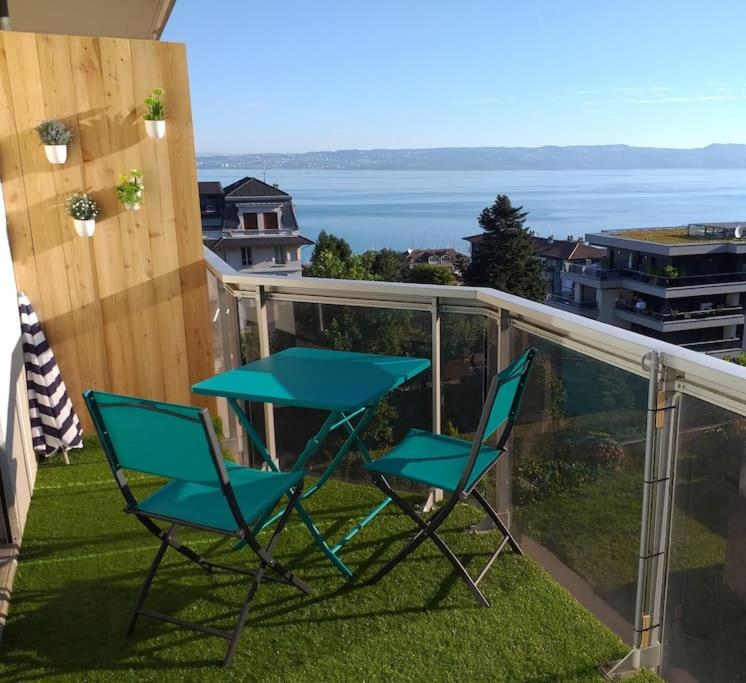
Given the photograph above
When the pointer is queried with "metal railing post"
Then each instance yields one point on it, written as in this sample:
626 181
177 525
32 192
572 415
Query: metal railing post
230 339
262 323
435 495
657 496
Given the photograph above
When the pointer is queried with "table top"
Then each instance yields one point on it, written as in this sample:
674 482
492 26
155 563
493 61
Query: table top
315 378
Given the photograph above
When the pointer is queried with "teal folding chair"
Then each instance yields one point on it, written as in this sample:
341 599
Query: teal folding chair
456 466
205 491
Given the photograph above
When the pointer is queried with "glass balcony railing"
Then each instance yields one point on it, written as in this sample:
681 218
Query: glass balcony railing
732 344
612 423
569 302
600 273
715 312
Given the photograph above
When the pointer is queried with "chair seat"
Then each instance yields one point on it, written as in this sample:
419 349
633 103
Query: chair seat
206 506
433 459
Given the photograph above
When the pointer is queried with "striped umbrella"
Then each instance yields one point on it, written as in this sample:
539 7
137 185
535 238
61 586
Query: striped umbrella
54 424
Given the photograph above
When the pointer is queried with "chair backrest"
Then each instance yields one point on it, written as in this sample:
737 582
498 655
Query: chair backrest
507 399
164 439
500 409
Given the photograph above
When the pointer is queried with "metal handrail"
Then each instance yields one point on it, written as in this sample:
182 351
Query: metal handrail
702 376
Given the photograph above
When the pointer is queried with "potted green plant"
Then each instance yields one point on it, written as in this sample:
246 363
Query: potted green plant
130 189
55 136
155 114
83 210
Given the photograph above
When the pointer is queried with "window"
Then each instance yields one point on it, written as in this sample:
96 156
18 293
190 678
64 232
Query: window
279 255
270 221
245 256
432 259
250 221
445 259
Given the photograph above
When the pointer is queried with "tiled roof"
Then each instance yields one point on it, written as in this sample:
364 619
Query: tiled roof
209 187
249 187
260 240
565 250
423 255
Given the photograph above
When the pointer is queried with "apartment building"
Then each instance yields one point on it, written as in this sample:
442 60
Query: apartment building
683 284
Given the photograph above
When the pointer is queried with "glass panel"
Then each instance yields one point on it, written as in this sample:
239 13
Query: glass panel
706 602
576 471
352 328
468 363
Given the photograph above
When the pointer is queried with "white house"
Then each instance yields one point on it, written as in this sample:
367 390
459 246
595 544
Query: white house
252 226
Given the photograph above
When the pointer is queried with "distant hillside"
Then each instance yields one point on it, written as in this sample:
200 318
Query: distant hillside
490 158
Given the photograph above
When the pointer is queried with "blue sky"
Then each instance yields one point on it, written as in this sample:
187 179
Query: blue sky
294 76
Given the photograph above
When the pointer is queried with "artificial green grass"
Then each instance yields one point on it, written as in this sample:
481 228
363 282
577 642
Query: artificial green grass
82 562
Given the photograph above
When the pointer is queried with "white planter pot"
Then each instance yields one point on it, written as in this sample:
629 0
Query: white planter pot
85 228
56 154
155 129
132 207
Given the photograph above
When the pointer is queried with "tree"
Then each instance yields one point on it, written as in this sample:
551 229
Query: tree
389 265
328 242
329 264
505 257
429 274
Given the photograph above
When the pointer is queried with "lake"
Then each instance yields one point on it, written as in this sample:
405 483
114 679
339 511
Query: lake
402 209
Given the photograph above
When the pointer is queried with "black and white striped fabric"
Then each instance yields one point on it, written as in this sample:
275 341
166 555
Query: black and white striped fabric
54 424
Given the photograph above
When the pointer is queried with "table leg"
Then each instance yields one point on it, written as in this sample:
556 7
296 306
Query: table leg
335 420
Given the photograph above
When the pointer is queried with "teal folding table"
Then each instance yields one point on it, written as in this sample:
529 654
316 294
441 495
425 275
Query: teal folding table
349 386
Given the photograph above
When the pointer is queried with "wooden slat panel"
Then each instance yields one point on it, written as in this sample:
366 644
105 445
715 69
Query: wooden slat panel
47 232
127 310
100 177
159 205
186 202
14 191
85 311
125 130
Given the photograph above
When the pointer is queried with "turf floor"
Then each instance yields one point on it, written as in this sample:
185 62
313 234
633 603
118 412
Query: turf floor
82 562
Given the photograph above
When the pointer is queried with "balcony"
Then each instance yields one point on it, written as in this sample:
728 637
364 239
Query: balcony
719 347
667 287
567 302
720 316
589 397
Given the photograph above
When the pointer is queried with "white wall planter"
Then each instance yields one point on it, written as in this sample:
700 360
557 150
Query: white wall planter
56 154
134 206
85 228
155 129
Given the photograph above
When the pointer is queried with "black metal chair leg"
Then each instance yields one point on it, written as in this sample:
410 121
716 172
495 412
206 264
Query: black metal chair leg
498 522
244 615
146 586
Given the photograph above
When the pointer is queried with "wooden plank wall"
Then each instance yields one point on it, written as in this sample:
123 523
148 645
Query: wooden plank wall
125 311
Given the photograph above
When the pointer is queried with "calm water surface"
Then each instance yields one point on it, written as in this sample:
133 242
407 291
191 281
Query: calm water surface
401 209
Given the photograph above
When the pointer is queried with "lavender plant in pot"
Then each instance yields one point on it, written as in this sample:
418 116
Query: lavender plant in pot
130 189
55 136
83 210
155 114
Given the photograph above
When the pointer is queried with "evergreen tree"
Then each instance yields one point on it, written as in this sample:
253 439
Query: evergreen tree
505 258
328 242
389 265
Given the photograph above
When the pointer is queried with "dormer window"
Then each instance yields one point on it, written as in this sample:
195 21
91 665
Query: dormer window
432 259
445 259
250 221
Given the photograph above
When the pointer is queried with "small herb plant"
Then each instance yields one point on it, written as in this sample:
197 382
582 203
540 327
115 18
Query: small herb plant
81 207
130 187
155 110
54 132
671 272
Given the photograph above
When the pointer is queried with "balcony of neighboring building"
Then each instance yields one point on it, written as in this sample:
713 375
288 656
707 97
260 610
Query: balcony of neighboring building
671 285
665 318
